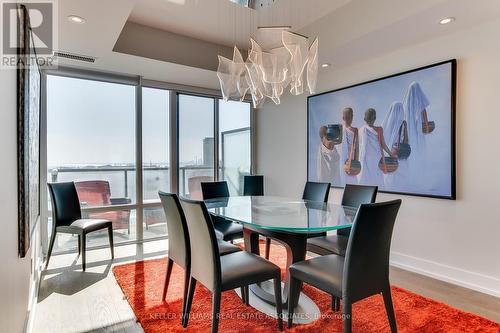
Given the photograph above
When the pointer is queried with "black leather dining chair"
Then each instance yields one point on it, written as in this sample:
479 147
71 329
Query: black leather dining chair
222 273
363 272
316 191
313 191
225 229
253 185
214 190
179 249
67 218
354 196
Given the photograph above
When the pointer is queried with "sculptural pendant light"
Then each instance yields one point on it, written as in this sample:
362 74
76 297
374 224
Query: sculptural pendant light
292 64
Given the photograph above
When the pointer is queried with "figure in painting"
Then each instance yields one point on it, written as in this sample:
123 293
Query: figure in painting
371 150
415 105
327 163
395 130
349 149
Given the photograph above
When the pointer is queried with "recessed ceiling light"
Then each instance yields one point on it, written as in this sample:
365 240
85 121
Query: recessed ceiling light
76 19
446 20
325 65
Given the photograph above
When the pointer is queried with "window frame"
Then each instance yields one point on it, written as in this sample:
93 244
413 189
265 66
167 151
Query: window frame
174 90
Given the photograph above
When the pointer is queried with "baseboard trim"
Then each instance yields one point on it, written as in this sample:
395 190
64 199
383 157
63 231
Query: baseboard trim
30 314
33 299
467 279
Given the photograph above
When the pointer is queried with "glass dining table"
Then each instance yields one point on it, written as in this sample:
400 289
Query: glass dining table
287 221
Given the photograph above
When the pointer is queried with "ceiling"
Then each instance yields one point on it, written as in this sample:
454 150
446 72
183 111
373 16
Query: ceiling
223 22
349 30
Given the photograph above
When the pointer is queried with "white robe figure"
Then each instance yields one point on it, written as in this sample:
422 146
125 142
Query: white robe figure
327 165
348 138
415 102
370 154
391 125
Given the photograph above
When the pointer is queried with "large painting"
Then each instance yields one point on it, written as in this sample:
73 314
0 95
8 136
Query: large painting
396 132
28 133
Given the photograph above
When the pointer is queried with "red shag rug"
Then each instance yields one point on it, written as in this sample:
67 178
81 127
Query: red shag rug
142 283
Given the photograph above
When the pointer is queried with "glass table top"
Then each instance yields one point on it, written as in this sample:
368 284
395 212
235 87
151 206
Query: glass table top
283 214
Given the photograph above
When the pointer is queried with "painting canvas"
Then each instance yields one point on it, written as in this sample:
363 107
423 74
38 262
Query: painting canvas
28 132
397 133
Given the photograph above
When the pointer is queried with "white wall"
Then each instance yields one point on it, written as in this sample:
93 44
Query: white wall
15 273
457 241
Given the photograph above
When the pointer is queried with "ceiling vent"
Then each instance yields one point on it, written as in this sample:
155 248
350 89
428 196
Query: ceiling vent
73 56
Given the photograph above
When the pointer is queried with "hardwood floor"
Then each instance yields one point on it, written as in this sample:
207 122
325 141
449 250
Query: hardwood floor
458 297
72 301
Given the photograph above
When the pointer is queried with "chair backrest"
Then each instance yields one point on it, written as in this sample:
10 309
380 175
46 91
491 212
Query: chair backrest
94 192
205 261
179 249
253 185
355 196
316 191
366 268
213 190
194 186
65 203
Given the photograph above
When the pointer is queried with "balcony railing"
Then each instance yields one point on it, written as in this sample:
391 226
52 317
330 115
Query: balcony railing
122 186
122 178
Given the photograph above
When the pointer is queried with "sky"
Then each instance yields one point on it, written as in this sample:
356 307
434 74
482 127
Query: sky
91 122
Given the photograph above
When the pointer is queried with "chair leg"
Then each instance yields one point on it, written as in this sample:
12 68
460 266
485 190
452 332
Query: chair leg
185 294
51 246
347 315
279 304
216 296
84 250
79 245
247 295
292 293
111 242
335 303
170 263
187 310
389 308
243 295
268 247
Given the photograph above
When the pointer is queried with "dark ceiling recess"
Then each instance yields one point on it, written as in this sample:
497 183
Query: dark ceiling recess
147 42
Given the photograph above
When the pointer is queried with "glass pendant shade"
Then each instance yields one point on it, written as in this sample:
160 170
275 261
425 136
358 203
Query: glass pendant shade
266 74
232 76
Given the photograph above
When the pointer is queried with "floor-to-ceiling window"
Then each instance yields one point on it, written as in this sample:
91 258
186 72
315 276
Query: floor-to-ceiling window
155 158
197 147
196 143
91 141
234 144
119 152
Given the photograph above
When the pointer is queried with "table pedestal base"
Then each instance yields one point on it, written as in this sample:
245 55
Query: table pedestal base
306 311
295 245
